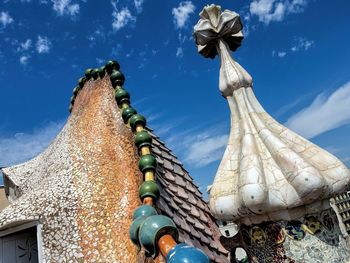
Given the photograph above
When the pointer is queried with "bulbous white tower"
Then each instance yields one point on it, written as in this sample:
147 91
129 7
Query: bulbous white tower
268 172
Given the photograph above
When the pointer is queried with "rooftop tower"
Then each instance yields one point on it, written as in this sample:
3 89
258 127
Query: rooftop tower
268 173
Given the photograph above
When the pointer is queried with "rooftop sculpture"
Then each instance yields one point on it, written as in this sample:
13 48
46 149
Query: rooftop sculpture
107 189
267 172
277 196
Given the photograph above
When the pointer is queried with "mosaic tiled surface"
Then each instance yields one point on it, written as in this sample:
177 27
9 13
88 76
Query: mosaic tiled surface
314 238
268 172
341 204
84 187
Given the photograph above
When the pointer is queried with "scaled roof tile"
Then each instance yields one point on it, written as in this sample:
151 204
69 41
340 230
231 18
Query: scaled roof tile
188 210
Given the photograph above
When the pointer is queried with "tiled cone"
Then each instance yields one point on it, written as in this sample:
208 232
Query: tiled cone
84 187
267 172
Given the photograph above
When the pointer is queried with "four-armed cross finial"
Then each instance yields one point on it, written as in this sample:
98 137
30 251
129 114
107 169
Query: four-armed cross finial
219 32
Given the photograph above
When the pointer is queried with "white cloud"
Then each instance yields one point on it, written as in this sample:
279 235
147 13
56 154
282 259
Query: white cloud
302 43
324 113
179 52
116 50
182 13
182 38
24 60
5 19
138 5
24 46
205 149
288 107
24 146
98 35
296 6
275 10
281 54
267 10
99 61
122 18
130 53
198 146
246 29
65 7
43 45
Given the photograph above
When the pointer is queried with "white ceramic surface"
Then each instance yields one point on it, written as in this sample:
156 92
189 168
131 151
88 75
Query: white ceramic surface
268 172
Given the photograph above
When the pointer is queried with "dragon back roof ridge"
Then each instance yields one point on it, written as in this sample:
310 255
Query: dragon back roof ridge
84 187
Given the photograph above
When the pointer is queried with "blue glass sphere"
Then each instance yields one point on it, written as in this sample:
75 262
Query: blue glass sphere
183 253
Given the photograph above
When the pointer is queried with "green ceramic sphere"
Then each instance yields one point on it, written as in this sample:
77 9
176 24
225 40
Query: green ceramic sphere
137 119
101 72
139 216
81 82
121 95
112 65
143 138
134 230
147 162
144 210
127 113
72 99
117 78
152 229
94 73
149 189
76 91
88 73
70 108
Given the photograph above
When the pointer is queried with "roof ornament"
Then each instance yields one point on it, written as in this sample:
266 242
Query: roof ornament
156 234
267 172
218 33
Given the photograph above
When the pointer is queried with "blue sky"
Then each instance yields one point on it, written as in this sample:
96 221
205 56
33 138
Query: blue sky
296 50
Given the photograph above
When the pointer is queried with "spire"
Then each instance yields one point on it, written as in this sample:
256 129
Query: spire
267 172
218 33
